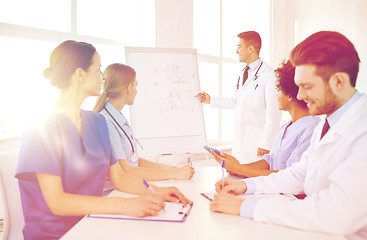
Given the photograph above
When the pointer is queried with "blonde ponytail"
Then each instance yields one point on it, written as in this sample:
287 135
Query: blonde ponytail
100 102
118 77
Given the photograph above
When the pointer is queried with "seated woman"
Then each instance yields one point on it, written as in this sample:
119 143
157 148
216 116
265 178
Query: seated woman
64 161
293 137
119 89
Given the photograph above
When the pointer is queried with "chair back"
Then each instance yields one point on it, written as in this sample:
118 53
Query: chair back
9 190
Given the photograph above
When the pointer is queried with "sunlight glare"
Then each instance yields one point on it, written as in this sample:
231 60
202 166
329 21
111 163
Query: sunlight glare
25 93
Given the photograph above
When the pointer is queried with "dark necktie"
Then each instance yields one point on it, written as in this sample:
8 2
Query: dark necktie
325 128
245 75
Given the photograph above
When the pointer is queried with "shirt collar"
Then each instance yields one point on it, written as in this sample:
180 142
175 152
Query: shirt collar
255 64
116 114
335 116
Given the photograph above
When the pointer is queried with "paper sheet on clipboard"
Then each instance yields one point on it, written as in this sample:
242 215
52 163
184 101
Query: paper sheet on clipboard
174 212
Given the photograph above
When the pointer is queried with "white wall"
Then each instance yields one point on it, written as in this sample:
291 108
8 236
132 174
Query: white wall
294 20
175 23
282 31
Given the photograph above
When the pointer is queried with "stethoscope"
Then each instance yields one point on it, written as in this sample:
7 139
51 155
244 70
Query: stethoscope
238 81
134 155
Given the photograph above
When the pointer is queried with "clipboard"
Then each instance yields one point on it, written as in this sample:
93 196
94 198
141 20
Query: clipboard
173 212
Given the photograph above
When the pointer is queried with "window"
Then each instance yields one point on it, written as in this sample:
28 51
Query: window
210 71
124 20
30 33
215 38
206 29
52 15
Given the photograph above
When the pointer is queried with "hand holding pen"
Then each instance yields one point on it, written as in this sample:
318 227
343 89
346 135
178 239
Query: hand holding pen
141 206
150 189
168 194
230 185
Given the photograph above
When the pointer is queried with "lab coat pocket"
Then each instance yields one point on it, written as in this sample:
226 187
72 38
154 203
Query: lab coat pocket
258 94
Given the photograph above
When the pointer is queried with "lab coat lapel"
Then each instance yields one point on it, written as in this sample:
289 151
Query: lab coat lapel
322 153
262 68
251 78
330 137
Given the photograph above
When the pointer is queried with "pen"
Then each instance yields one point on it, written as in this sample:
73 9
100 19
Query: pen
197 95
150 189
206 196
223 165
189 159
256 86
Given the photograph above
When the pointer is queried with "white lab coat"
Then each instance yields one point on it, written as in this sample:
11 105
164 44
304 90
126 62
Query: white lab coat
333 174
257 116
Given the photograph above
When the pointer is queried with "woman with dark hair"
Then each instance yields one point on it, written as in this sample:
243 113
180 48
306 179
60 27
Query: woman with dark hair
120 89
63 162
293 138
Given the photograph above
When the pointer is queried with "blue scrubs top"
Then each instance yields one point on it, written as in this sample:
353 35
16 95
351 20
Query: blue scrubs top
123 145
82 162
292 140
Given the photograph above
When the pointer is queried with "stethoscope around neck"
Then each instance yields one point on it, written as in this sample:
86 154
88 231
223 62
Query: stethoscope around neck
255 77
134 156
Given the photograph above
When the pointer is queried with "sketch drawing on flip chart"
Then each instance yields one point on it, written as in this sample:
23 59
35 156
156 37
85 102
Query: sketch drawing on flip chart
165 105
176 80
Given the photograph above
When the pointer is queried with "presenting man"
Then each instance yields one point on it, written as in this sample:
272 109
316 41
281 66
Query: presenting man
257 117
332 171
